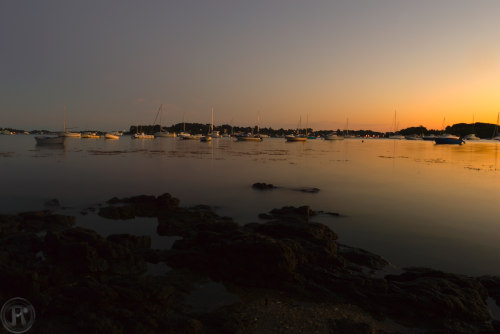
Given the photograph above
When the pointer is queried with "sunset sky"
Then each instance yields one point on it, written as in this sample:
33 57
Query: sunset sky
113 62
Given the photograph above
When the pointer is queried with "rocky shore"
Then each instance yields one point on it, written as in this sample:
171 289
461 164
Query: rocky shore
286 275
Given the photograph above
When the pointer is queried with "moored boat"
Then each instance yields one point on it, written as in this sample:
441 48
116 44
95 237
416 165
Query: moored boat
472 136
293 138
449 139
334 136
248 137
111 136
91 135
413 137
142 135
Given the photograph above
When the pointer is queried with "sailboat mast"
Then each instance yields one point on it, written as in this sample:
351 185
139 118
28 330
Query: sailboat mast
161 112
212 126
258 122
64 119
495 132
307 122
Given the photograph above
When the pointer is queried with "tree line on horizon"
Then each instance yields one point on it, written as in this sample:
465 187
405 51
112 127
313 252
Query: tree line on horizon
481 130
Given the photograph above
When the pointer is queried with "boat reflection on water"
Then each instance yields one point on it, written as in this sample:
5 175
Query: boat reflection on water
50 141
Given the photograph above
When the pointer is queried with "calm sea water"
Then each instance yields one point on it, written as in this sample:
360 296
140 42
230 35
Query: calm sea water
413 202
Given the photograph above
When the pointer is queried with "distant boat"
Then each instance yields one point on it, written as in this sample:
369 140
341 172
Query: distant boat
396 135
496 136
251 136
187 136
333 136
413 137
162 133
50 140
7 132
292 138
142 135
297 136
429 137
472 136
248 137
91 135
208 137
111 136
449 139
67 133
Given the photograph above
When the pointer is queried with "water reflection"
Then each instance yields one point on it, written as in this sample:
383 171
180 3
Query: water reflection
413 202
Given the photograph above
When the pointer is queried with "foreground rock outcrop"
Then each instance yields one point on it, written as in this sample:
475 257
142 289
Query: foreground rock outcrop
287 268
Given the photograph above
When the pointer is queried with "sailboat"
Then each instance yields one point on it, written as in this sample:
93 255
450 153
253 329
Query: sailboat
447 138
208 137
333 136
67 133
298 136
141 135
396 135
472 136
51 140
251 136
162 133
347 135
496 136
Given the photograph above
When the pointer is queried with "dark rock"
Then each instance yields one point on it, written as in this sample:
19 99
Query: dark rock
361 257
117 212
36 221
308 190
291 213
350 326
265 216
131 241
140 206
263 186
80 251
189 221
45 221
433 296
496 326
492 284
52 203
237 256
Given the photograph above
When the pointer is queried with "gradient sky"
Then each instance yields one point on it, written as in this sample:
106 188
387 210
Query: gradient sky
112 62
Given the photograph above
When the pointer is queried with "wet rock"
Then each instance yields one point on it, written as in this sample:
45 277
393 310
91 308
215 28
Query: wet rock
290 213
117 212
496 326
263 186
45 221
52 203
131 241
361 257
308 190
237 256
79 251
139 206
492 284
185 222
35 221
436 298
351 326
